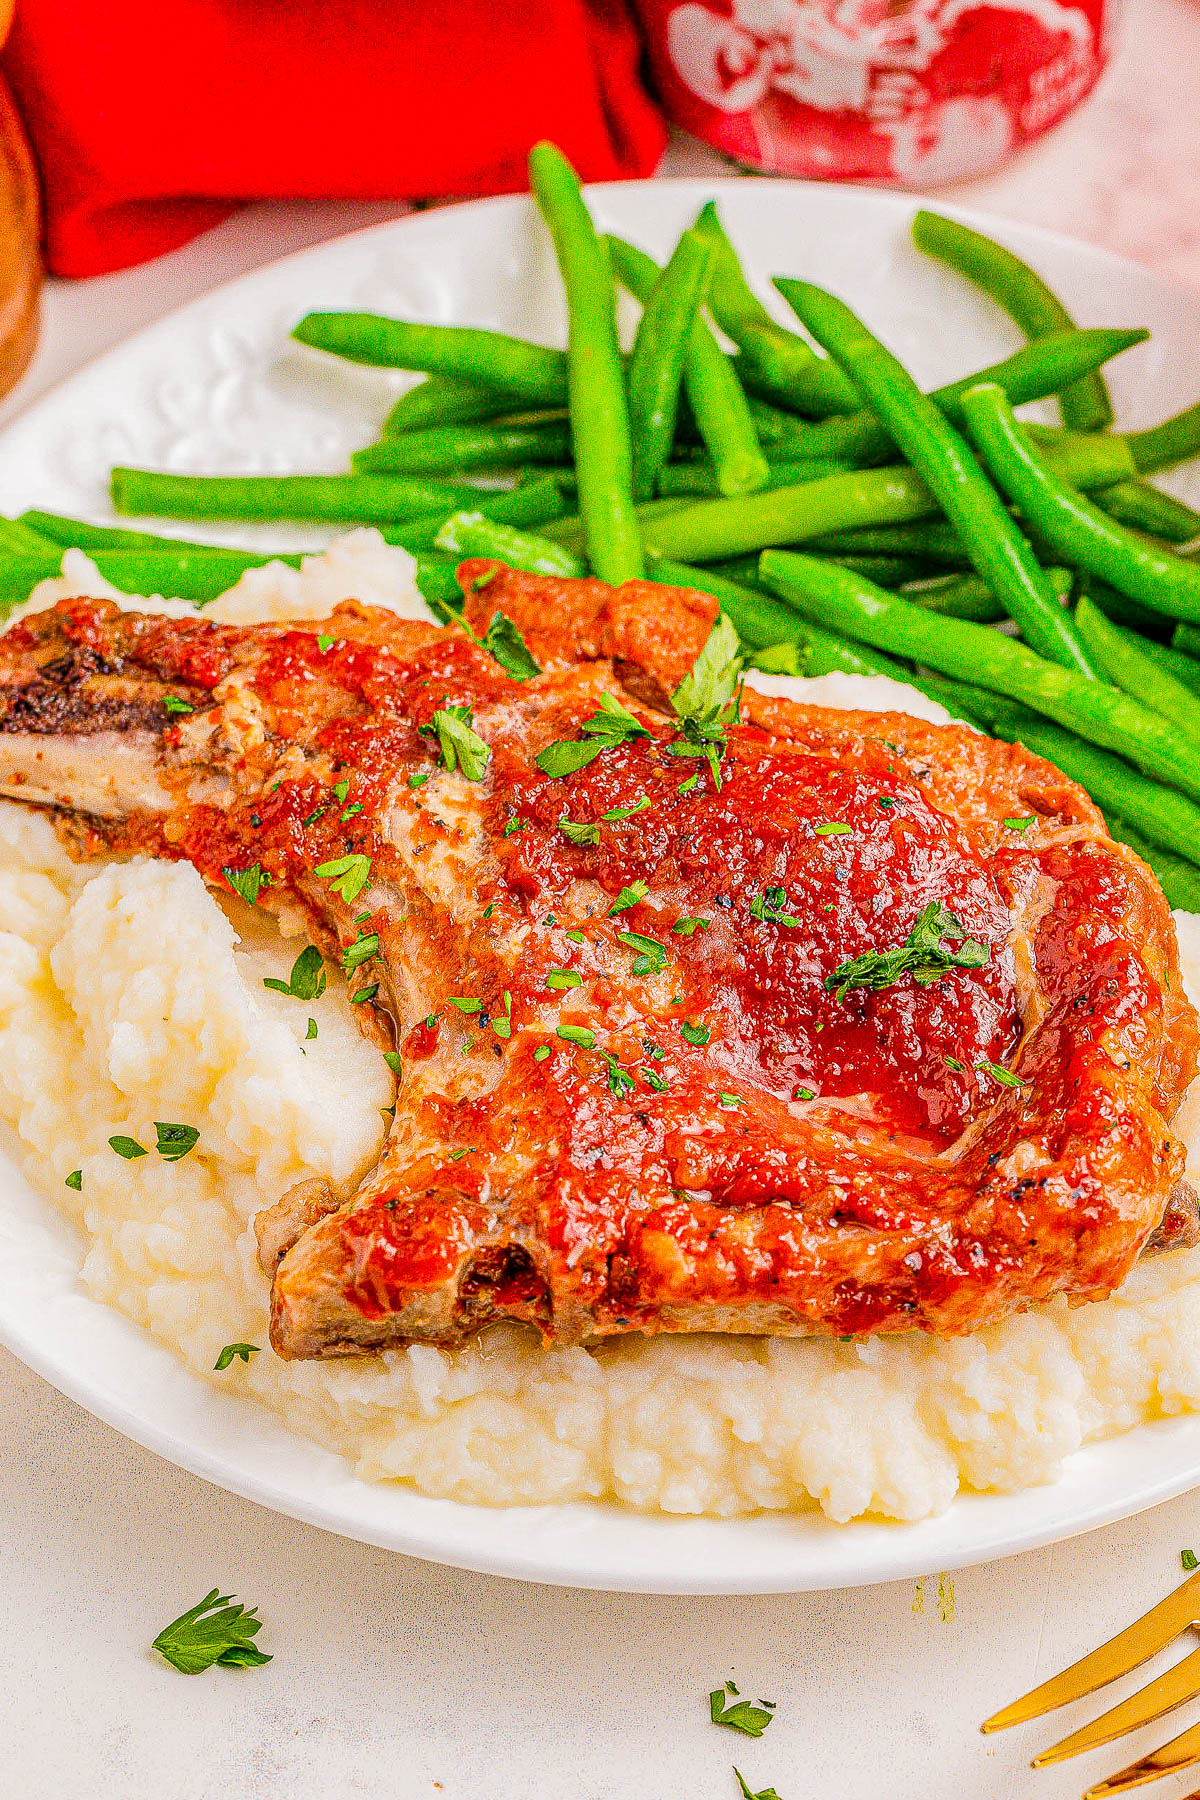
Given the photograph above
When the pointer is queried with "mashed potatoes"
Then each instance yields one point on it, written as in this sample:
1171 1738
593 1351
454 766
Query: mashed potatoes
130 994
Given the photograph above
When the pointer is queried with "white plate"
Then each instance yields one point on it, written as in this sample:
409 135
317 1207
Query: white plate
218 386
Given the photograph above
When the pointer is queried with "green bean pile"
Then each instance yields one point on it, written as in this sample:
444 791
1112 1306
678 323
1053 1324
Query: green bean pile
844 519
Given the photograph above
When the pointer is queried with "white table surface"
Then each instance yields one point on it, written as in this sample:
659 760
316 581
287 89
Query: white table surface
393 1678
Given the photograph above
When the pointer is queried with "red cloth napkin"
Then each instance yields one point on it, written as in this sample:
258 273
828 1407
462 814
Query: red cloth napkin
150 119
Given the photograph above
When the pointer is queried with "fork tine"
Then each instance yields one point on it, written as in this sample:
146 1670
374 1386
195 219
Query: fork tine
1131 1647
1180 1753
1128 1649
1160 1696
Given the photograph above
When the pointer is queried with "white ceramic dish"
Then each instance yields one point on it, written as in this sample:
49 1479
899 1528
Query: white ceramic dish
218 386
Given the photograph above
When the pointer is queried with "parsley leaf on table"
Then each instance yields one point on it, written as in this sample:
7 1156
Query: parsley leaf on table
763 1793
750 1720
214 1631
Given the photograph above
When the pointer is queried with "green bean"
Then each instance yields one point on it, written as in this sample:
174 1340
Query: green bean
702 477
1161 814
784 365
659 351
20 537
1165 446
538 504
596 378
81 534
1120 657
450 449
934 539
1177 662
525 372
445 400
955 596
361 499
1125 611
471 534
791 515
834 598
1076 528
1024 296
197 573
714 393
1146 508
934 447
1187 639
1032 373
1179 880
886 571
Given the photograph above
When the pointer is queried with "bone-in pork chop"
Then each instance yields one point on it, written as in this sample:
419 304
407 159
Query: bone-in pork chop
881 1032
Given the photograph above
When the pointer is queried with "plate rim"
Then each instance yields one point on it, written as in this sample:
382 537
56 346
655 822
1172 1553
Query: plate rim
913 1554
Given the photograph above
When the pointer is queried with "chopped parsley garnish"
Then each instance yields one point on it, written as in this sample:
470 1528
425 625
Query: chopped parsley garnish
999 1073
460 746
953 1063
763 1793
651 957
563 978
694 1034
482 581
318 812
511 825
728 1100
1018 824
249 883
922 955
75 1180
832 828
175 1141
346 875
541 1053
626 812
127 1147
886 802
392 1059
652 1049
215 1631
466 1005
420 778
503 1026
325 643
173 704
312 1030
620 1082
687 927
653 1080
307 980
768 906
360 951
364 994
354 808
503 641
628 896
609 725
341 790
457 1155
245 1351
1187 1560
577 1034
576 937
579 834
750 1720
804 1093
706 700
685 787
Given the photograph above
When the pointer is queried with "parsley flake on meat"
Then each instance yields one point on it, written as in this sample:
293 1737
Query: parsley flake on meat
609 725
651 957
245 1351
249 883
768 906
563 978
620 1082
460 746
214 1631
346 875
626 812
577 1034
923 955
706 700
628 896
750 1720
579 833
687 927
307 980
694 1034
360 951
999 1073
1017 824
173 704
832 828
392 1059
503 641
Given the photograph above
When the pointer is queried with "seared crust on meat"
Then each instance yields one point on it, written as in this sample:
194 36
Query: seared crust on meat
631 1097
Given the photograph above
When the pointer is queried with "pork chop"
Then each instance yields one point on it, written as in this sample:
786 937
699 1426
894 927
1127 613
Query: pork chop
848 1024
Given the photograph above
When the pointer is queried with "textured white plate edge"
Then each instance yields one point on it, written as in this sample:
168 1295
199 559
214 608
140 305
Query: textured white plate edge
804 1552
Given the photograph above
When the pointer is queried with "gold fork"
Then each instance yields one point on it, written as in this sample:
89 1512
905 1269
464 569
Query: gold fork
1128 1650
